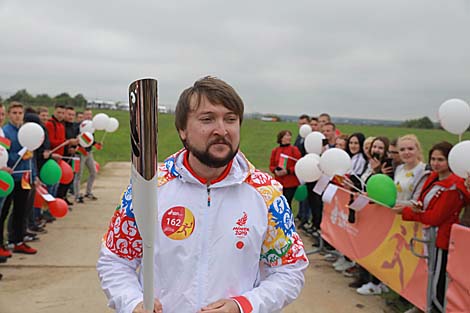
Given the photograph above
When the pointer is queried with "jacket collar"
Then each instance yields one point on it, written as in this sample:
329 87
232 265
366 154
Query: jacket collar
236 173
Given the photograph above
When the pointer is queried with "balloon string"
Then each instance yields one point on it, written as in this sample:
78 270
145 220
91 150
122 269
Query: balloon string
22 171
17 162
58 147
104 136
460 137
364 195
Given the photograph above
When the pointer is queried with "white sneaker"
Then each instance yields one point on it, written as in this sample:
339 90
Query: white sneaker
344 266
339 261
369 289
330 257
384 288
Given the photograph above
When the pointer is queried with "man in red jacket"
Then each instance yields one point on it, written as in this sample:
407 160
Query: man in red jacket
56 129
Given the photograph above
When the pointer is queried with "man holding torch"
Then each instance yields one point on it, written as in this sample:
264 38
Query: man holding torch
224 239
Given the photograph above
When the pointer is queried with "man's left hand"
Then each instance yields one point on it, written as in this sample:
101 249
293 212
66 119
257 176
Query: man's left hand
221 306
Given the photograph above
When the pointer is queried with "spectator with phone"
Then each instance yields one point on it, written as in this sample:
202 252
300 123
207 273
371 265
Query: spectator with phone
282 164
442 197
377 163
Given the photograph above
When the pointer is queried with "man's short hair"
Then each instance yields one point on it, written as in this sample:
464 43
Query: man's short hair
314 118
326 115
14 104
304 116
59 106
331 124
215 90
43 109
70 108
30 110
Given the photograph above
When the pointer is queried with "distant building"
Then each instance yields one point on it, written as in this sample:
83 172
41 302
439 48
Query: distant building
100 104
270 118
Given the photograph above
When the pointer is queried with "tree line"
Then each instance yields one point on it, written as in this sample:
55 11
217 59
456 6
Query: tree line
64 98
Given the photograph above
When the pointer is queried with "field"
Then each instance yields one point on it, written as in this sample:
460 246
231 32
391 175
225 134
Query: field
258 138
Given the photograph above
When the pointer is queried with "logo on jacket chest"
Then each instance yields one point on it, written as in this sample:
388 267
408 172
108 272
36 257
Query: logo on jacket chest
240 230
178 223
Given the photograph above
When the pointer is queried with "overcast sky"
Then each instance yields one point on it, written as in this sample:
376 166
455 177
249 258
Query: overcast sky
366 58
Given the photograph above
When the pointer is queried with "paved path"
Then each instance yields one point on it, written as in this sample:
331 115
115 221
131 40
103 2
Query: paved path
62 276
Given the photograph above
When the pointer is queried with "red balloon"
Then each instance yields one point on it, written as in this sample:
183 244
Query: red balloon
67 173
58 208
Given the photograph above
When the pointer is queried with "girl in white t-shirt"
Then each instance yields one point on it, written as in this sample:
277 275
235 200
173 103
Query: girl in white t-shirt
409 174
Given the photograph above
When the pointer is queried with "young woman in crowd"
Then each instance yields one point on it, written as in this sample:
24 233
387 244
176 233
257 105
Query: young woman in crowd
378 155
410 172
377 164
282 164
354 147
442 197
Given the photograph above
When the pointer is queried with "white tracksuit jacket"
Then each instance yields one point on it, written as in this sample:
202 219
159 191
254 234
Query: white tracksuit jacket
232 238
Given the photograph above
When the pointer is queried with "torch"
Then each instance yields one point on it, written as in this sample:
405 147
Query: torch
143 109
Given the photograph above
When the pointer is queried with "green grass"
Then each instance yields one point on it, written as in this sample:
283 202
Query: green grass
257 138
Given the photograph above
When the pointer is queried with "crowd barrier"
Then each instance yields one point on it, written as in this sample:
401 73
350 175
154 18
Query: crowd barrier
379 241
458 283
389 248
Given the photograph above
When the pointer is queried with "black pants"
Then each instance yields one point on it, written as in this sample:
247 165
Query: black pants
28 215
289 194
316 205
19 197
439 283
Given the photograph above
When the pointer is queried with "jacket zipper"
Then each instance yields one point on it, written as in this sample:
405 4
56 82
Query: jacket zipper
203 273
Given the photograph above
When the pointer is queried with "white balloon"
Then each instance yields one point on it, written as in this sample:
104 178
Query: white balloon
3 156
313 155
85 139
459 159
87 126
31 136
454 116
304 130
335 162
314 142
307 170
100 121
112 126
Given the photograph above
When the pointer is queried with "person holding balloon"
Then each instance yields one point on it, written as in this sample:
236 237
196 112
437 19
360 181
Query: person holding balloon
18 195
282 164
442 197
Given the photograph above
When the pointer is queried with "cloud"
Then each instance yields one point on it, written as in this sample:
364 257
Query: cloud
392 60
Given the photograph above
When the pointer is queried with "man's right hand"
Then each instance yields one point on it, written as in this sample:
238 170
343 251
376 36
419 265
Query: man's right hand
157 307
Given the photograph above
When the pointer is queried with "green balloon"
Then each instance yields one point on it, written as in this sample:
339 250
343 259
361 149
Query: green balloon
6 183
381 188
50 173
301 193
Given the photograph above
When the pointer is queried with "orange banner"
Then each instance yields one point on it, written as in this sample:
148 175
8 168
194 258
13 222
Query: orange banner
379 241
458 288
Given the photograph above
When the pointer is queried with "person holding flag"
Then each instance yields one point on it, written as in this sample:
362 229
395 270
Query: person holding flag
19 195
86 160
225 236
282 164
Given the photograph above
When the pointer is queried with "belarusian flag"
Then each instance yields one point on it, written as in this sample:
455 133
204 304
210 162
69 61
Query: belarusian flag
76 164
86 139
5 142
4 186
82 151
283 160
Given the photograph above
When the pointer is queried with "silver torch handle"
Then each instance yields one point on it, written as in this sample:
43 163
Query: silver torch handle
143 109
